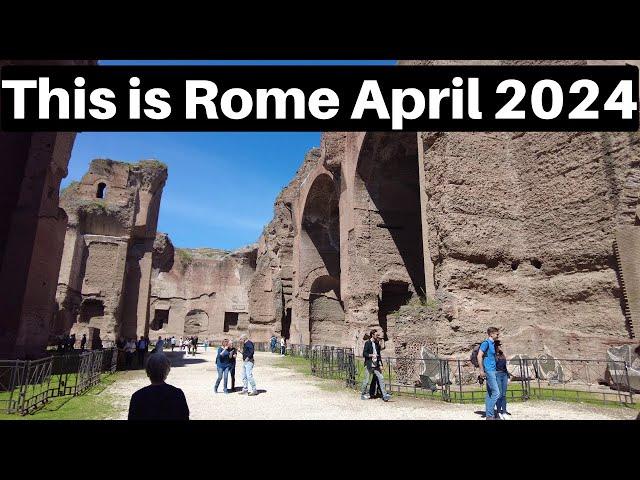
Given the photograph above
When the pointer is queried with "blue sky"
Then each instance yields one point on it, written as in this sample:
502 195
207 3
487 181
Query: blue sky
221 185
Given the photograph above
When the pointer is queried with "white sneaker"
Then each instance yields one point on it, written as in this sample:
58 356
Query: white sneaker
503 416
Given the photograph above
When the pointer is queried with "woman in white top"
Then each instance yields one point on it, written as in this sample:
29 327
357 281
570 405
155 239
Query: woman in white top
283 346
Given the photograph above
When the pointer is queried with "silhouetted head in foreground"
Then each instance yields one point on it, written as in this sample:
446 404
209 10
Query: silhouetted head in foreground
158 368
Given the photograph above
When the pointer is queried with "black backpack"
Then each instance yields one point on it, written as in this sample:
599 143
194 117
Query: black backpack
474 355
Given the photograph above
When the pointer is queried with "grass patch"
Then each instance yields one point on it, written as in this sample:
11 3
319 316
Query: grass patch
92 405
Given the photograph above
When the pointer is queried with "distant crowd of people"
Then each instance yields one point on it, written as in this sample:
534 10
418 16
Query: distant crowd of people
67 343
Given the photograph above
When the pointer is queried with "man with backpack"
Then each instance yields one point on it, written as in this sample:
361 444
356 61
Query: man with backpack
487 365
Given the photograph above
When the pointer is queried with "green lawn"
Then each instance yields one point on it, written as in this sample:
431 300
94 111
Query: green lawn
92 405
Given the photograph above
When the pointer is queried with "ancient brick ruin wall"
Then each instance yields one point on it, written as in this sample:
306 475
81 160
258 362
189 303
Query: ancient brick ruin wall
104 279
201 292
271 289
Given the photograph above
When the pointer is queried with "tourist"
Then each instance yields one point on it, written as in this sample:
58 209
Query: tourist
206 345
181 343
159 346
223 365
194 344
129 349
373 364
487 365
83 342
283 346
158 401
502 376
233 353
141 348
72 342
274 340
247 366
173 342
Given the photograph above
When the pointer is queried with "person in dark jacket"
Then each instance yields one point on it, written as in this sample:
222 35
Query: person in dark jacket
141 350
158 401
373 364
223 366
247 366
502 375
233 353
83 342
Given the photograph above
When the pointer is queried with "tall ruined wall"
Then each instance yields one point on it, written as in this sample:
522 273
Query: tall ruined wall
31 231
271 289
520 233
201 292
103 285
522 228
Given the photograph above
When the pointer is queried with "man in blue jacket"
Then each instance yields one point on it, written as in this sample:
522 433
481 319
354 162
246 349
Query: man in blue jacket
247 366
487 364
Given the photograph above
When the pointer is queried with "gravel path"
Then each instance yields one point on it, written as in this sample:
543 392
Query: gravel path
286 394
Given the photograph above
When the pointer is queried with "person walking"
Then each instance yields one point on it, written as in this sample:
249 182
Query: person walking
223 365
233 353
158 401
194 344
181 344
283 346
141 348
248 350
206 345
159 346
173 342
83 342
273 343
502 376
373 364
130 349
487 365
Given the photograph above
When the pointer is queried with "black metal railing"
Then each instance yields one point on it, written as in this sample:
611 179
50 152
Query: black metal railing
456 380
26 385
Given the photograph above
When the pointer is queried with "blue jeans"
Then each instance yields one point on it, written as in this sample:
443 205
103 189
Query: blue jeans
503 382
493 393
222 372
365 383
247 376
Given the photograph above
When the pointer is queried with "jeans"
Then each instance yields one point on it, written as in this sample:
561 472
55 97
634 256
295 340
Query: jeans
232 372
378 374
503 382
247 376
222 372
283 349
493 393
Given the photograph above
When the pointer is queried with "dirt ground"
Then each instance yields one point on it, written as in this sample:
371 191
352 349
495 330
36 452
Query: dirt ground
287 394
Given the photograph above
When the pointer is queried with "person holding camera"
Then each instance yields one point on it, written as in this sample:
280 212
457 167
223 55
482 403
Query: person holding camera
223 365
373 364
487 365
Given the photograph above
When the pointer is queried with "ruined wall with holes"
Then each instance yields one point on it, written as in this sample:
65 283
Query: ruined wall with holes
194 290
105 273
511 230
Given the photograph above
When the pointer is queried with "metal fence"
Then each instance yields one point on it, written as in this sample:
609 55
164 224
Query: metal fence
456 380
26 385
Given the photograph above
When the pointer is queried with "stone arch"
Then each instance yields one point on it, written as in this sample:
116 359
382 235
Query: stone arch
196 322
318 245
320 228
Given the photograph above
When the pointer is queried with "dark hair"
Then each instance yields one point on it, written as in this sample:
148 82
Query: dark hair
491 330
366 336
373 332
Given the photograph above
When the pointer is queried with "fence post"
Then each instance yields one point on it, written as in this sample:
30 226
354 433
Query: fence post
626 374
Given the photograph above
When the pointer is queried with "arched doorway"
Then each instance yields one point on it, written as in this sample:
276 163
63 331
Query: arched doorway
319 265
